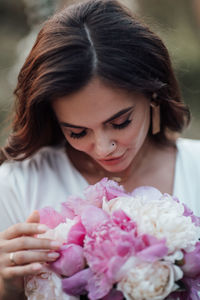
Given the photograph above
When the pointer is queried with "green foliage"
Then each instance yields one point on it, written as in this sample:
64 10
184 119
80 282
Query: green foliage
175 22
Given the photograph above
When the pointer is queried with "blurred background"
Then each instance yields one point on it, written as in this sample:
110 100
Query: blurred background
177 22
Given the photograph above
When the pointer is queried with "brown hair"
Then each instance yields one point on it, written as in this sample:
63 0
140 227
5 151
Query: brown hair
94 38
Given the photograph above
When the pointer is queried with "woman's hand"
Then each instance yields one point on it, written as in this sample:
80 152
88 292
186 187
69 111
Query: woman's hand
19 255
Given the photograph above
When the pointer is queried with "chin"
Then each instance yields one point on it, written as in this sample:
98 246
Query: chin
118 168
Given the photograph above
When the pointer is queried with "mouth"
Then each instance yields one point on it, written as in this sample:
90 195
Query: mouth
111 161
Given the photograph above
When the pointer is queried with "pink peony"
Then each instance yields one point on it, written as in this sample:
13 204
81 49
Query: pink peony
75 204
78 283
50 217
191 267
119 244
93 195
109 189
106 248
70 261
76 234
109 242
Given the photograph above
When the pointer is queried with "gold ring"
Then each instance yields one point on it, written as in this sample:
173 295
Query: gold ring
12 260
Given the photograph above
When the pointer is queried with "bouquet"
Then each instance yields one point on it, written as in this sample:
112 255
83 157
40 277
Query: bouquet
116 245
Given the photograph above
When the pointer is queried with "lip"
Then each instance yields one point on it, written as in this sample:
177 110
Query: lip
112 161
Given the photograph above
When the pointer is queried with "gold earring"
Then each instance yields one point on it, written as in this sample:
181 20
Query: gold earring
155 117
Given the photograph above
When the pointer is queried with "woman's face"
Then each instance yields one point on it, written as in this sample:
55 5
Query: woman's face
108 124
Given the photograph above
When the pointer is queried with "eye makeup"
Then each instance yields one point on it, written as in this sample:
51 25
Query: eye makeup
122 125
78 135
115 126
119 121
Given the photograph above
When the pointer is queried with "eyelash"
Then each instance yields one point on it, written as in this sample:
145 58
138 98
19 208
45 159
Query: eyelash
78 135
122 125
115 126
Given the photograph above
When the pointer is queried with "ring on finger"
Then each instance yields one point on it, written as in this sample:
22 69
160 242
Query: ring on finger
12 260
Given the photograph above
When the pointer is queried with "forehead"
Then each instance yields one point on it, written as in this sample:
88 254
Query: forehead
94 103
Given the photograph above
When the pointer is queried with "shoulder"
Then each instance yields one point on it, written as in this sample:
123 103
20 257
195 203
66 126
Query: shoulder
22 179
38 181
187 173
188 161
45 158
188 144
49 171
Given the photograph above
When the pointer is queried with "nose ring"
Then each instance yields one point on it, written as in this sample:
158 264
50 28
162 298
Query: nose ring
113 144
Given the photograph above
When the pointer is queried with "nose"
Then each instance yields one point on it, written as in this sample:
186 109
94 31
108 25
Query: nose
104 145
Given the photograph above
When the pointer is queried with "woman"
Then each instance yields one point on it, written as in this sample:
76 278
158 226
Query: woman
96 97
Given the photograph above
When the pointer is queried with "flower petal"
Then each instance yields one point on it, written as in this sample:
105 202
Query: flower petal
104 188
76 234
191 267
71 260
154 252
50 217
92 217
99 286
77 284
147 193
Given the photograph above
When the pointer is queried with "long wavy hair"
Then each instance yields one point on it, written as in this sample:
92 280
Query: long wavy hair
96 38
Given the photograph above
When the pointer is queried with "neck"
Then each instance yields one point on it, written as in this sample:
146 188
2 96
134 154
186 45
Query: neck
91 169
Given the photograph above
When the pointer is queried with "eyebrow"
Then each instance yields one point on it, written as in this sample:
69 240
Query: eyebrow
115 116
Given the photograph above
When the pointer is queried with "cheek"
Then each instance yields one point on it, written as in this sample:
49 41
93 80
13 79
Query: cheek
79 144
137 132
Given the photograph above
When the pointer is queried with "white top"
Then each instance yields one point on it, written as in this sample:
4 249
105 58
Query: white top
187 174
48 178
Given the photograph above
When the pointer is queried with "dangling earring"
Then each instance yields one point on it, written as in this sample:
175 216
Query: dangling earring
155 115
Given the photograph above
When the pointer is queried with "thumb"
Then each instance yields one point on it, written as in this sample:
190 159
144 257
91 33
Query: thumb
34 217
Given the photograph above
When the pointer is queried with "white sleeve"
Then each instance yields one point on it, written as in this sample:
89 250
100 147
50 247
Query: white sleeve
187 173
46 179
12 209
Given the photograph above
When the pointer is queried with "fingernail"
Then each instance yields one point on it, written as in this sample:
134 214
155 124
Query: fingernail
56 244
37 267
53 255
42 228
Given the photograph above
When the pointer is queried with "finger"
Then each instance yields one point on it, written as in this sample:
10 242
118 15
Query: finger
28 243
23 229
34 217
27 257
19 271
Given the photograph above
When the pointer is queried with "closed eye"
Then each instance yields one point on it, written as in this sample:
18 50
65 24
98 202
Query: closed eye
78 135
117 123
122 125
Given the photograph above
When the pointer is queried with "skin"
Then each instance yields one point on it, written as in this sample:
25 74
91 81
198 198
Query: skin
91 120
90 108
17 239
84 118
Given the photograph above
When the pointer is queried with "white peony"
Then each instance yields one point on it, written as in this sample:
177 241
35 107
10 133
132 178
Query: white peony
161 218
176 256
149 281
60 232
45 286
